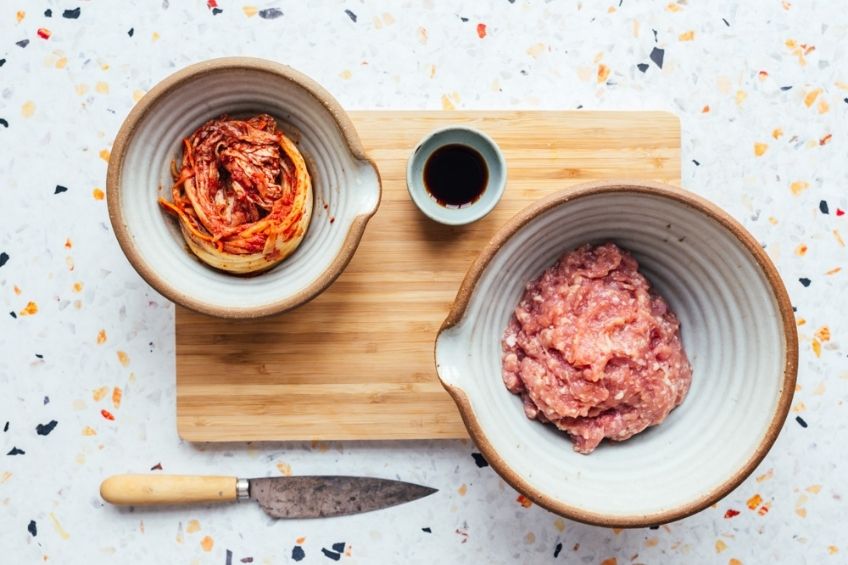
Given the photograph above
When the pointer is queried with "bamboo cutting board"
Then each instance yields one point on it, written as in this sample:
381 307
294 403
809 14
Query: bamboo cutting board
357 362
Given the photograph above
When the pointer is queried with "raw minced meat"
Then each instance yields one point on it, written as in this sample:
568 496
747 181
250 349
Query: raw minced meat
591 349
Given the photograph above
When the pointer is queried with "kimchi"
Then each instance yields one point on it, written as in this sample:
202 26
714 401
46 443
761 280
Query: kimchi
241 194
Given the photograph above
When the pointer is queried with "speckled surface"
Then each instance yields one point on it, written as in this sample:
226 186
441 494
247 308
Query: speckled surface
86 348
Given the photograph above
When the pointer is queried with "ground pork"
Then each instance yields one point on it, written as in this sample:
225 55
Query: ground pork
591 349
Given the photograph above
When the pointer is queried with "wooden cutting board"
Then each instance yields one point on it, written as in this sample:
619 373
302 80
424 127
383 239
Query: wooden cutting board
357 362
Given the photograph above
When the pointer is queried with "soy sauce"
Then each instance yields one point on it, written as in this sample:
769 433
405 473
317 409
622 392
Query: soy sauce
456 175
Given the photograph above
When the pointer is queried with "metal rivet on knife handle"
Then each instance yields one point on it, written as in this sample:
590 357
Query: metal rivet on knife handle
242 489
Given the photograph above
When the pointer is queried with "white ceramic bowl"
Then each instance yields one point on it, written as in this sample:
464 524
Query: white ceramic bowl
485 146
736 324
343 178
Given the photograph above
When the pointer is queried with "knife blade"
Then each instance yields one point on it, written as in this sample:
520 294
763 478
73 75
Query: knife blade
318 497
279 497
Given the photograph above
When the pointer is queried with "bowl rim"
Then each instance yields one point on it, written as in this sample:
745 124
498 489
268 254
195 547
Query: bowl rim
187 75
699 204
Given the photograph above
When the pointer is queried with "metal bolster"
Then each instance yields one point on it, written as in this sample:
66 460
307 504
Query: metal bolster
242 489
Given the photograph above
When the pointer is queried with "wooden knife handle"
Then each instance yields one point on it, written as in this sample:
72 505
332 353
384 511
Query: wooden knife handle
145 490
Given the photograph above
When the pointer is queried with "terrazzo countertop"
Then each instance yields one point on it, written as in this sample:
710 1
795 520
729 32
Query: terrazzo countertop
87 348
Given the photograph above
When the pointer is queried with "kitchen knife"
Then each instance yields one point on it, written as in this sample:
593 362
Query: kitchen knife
279 497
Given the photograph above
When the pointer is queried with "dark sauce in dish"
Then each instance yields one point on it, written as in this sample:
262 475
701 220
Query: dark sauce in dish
456 175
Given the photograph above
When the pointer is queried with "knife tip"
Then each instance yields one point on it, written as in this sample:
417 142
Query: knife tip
426 491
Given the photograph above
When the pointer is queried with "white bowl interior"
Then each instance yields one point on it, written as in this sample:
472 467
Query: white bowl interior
348 186
731 330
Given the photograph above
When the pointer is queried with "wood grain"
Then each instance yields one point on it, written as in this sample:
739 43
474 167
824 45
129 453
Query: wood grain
357 362
150 490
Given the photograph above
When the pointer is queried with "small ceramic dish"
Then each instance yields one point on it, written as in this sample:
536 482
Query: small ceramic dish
345 184
737 327
483 145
